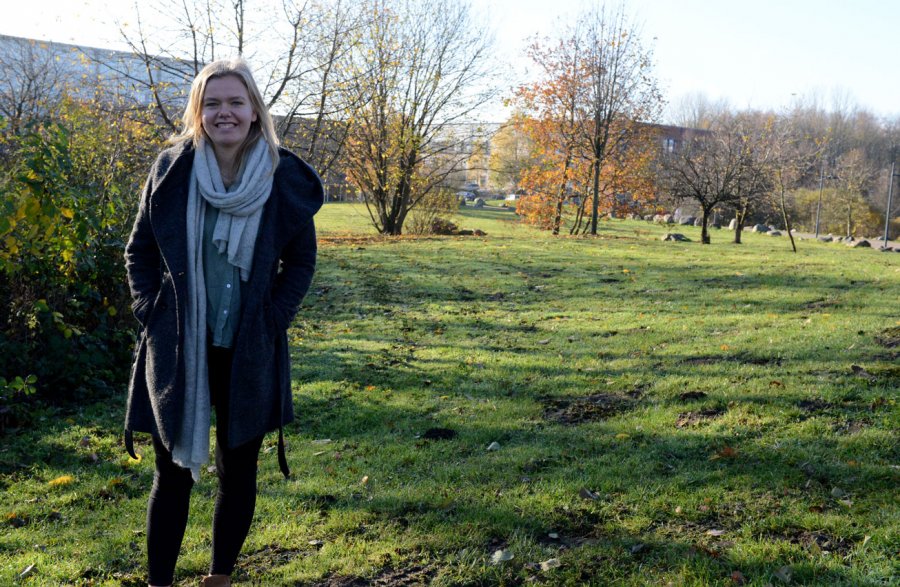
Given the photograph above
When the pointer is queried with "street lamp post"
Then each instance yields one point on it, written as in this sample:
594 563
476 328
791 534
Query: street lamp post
819 205
887 211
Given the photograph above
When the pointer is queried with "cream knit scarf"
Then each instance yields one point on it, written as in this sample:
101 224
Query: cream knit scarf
240 212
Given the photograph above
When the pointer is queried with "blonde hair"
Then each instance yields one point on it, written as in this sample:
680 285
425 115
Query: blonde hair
263 126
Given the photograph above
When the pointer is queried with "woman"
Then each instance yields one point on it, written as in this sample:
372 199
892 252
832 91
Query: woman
222 252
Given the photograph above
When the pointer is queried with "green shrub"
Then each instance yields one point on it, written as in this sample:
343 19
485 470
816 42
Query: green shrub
66 207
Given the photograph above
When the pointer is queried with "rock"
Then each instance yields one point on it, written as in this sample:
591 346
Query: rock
479 203
674 236
668 219
774 233
698 222
479 232
826 238
760 228
686 220
733 224
466 232
861 243
887 249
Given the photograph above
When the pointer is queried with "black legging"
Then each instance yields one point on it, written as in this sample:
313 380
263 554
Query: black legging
167 510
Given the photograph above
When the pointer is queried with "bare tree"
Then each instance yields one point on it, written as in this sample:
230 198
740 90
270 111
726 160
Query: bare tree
748 135
32 82
855 177
510 153
721 168
793 156
296 47
421 69
696 110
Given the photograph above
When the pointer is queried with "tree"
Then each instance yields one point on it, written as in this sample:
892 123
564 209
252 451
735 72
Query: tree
721 167
793 156
622 91
748 135
418 72
586 115
511 152
696 110
32 83
855 179
298 48
555 126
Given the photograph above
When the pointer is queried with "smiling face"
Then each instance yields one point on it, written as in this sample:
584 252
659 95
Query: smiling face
226 113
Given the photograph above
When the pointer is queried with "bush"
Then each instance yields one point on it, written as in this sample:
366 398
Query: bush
429 211
66 207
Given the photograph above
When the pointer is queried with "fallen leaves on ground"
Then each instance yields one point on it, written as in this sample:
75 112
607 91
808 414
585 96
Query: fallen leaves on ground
61 481
501 556
725 453
550 564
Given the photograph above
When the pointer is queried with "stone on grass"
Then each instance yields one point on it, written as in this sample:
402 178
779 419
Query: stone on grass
760 228
774 233
861 243
676 237
733 224
686 220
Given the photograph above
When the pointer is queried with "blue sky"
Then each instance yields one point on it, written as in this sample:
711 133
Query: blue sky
753 53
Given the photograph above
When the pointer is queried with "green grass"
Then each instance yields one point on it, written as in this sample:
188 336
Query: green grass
573 355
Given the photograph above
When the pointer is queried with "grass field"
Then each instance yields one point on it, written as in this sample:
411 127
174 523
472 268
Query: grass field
517 409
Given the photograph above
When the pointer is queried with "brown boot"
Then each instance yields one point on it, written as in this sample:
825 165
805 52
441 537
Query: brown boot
216 581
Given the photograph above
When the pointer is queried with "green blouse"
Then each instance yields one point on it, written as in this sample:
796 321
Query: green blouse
223 286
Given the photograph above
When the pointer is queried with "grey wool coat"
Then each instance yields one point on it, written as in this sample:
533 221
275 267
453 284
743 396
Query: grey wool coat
156 262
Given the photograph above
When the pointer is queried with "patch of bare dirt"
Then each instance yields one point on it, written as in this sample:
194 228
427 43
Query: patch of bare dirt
815 541
704 360
268 557
692 395
689 419
814 405
851 426
889 338
598 406
408 577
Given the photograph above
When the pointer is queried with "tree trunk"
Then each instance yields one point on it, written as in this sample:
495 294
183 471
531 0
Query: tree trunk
739 225
849 220
595 201
787 221
561 194
704 227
